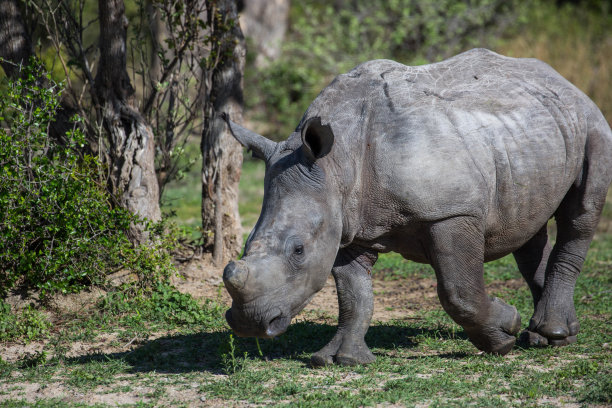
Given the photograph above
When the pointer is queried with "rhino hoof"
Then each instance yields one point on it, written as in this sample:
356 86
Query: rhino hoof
321 360
563 342
533 339
504 347
353 361
362 357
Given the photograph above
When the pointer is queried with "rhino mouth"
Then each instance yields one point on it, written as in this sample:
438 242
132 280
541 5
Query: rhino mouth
247 320
268 327
277 326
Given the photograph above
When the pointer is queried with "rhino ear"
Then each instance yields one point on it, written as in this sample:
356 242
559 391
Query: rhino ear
261 147
318 139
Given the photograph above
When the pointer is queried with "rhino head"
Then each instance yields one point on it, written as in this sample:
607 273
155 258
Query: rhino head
289 254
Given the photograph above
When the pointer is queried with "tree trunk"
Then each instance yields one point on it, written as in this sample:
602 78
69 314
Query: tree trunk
222 154
156 29
131 141
265 22
16 50
15 44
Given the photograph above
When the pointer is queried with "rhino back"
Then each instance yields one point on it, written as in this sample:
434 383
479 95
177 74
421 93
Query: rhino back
479 134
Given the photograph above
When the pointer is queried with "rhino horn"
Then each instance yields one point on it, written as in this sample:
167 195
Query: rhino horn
261 147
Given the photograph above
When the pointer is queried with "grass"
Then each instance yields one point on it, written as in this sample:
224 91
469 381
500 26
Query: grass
182 199
29 324
251 192
181 353
427 361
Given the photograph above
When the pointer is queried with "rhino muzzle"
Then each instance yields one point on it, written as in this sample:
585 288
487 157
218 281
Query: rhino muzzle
271 325
253 318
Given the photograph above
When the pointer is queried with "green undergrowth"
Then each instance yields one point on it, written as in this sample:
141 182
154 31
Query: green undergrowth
139 314
182 198
251 192
162 307
28 324
181 201
392 266
127 311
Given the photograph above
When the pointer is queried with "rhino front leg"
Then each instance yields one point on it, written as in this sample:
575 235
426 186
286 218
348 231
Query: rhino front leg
457 254
351 272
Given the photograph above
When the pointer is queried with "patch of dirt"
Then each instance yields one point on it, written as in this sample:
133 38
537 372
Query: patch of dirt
558 402
12 352
500 286
393 299
32 392
202 280
76 302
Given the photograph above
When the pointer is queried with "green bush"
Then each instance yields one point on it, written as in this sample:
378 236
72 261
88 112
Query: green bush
287 90
59 231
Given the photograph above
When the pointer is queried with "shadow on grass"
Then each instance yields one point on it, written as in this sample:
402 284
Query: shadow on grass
203 351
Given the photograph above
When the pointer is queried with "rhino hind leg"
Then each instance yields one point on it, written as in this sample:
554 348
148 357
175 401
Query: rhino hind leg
351 272
457 258
554 321
532 259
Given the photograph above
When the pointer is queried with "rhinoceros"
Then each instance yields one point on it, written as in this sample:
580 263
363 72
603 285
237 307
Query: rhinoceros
451 164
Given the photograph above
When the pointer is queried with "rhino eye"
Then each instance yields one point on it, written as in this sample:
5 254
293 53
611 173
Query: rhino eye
299 250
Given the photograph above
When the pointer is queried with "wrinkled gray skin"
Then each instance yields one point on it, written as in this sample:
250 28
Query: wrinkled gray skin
451 164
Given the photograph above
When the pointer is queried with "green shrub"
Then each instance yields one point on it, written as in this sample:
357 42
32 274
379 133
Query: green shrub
59 231
287 90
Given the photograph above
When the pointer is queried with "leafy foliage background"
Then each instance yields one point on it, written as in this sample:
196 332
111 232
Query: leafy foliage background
325 39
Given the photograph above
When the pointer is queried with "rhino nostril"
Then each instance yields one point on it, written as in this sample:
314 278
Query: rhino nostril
235 275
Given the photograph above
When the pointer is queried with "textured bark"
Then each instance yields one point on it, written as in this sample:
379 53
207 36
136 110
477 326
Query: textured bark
16 50
132 147
222 154
15 44
265 22
156 28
